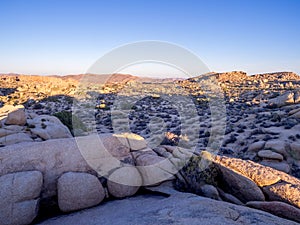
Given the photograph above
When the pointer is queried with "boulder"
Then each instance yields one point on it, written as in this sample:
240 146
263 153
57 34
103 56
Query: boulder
134 142
153 168
6 109
256 146
19 194
261 175
124 182
295 150
276 146
240 186
280 209
283 192
293 111
78 191
49 127
282 166
116 145
282 100
15 138
52 158
17 117
268 154
210 191
229 198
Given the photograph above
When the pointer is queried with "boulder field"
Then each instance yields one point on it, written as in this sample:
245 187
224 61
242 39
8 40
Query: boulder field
70 174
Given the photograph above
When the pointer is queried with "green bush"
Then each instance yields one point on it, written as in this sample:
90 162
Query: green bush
75 125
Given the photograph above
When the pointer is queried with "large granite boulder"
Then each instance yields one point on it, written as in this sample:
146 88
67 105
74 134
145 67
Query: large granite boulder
78 191
12 115
48 127
19 194
261 175
240 186
52 158
284 192
124 182
154 169
17 117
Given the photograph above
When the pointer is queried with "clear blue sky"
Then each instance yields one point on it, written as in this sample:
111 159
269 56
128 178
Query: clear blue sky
67 36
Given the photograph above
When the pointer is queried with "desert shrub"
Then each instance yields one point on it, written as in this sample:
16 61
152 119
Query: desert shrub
198 171
75 125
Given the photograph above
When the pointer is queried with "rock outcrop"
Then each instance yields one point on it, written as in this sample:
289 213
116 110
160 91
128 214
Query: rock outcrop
179 208
69 172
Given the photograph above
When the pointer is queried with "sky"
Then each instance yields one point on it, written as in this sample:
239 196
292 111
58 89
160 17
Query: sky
67 36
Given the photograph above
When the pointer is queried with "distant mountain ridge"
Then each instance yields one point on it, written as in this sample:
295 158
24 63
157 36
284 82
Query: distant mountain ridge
124 78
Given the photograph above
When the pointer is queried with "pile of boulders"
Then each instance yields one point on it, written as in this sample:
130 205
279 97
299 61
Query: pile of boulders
82 172
242 182
17 126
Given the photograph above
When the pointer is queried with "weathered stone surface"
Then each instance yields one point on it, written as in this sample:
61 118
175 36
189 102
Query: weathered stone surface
229 198
296 115
49 127
52 158
282 100
282 166
161 151
210 191
256 146
116 145
293 111
180 208
261 175
78 191
135 142
284 192
19 195
6 109
153 168
124 182
5 132
21 213
240 186
295 150
277 146
15 138
287 178
16 117
277 208
267 154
